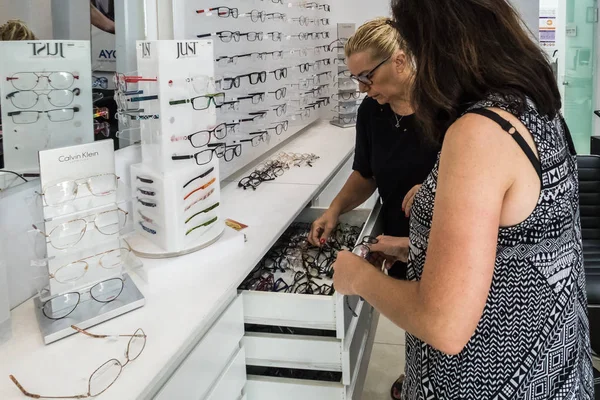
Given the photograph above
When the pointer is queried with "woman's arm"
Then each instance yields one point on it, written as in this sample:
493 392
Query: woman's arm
356 191
445 306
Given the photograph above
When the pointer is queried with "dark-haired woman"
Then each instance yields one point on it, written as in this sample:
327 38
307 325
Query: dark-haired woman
495 306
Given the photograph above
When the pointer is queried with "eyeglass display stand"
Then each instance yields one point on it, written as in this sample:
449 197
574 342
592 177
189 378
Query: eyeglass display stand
78 164
177 206
345 85
89 313
29 71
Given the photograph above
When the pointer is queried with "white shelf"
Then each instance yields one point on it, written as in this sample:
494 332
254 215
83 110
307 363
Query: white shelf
184 295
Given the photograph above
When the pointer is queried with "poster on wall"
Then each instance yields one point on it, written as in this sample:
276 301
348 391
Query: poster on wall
104 54
548 28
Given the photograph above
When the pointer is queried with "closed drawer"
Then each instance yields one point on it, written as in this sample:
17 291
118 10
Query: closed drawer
311 352
310 311
230 386
271 388
293 351
207 361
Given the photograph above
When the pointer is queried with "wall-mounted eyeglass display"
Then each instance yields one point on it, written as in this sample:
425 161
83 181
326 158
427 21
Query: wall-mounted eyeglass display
346 119
207 223
346 95
280 73
68 234
30 80
202 102
61 306
280 127
305 67
281 109
255 15
31 117
64 192
230 106
206 210
203 157
279 93
256 98
28 98
276 16
76 270
275 36
346 109
260 137
223 12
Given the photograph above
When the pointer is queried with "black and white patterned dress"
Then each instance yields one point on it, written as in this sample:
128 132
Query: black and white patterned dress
532 341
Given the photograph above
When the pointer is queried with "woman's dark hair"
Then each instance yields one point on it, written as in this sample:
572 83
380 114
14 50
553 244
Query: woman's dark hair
464 50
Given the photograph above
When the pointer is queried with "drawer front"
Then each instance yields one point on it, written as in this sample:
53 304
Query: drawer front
269 388
373 227
231 384
356 342
293 351
289 309
203 366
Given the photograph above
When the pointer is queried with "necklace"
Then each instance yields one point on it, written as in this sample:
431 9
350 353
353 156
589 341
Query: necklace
398 120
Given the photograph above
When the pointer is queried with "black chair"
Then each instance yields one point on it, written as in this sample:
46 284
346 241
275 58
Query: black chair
589 204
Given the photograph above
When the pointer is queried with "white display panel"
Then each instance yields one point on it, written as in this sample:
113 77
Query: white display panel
45 97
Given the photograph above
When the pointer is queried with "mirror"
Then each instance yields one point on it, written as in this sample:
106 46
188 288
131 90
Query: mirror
68 20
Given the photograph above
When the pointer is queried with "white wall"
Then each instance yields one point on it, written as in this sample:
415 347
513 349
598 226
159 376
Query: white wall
360 11
35 13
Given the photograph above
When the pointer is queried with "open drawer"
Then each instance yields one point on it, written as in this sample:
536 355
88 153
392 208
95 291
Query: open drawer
263 385
310 311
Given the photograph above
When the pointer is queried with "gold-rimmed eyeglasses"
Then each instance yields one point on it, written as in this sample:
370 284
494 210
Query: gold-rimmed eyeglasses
105 375
66 191
69 233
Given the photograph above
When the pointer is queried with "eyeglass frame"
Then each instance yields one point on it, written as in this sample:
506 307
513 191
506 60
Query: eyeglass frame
366 78
89 394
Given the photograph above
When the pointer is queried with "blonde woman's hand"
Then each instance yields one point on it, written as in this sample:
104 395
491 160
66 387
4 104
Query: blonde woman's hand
409 199
392 247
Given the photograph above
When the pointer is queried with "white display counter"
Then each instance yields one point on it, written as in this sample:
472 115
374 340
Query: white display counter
193 315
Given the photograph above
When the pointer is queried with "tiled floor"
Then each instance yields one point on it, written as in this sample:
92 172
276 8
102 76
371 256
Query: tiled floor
387 361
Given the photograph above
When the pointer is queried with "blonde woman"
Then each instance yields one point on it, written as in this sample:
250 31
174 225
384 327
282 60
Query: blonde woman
391 155
15 29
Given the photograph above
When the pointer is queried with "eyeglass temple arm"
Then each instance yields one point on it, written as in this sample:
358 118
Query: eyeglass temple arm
207 10
39 230
37 396
189 157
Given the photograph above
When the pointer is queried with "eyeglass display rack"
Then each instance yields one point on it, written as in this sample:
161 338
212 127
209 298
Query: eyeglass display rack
281 59
176 187
46 99
82 270
347 95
